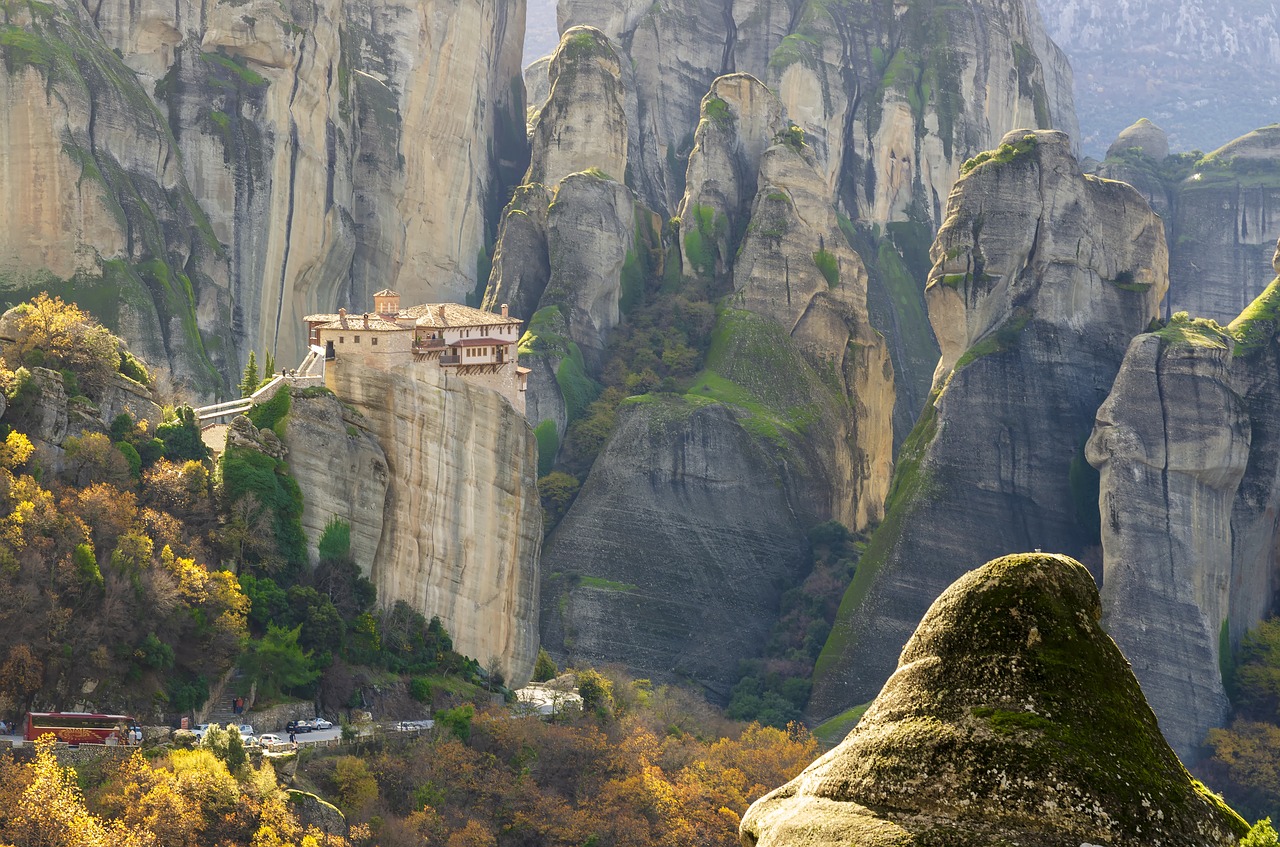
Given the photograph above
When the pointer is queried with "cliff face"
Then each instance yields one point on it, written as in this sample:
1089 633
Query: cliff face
1226 221
787 426
713 505
1187 449
937 83
1042 275
343 470
338 148
462 523
1219 212
1171 443
1012 718
93 202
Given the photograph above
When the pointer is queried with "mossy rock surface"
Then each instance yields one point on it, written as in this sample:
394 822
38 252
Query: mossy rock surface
1012 718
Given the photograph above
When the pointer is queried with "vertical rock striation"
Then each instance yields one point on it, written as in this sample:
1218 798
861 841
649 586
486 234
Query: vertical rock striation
463 524
1219 212
1171 444
1226 220
1042 275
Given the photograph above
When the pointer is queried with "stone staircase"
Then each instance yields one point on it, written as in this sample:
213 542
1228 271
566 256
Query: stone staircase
310 372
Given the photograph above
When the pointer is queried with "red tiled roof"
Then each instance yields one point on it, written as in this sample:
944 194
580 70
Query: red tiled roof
356 323
454 315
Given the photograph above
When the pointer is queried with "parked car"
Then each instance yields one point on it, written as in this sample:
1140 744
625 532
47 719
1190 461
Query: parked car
268 739
321 723
298 726
405 726
200 730
246 733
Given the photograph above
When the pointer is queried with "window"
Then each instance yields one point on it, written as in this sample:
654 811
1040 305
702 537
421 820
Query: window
342 339
357 341
374 341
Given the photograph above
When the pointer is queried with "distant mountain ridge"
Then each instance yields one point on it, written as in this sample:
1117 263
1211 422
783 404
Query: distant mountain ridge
1203 71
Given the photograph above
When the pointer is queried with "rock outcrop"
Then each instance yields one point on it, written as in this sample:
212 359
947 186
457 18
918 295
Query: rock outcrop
571 234
934 84
1144 136
582 124
797 389
1012 718
342 469
1225 226
1042 276
1188 446
1171 443
1218 212
462 524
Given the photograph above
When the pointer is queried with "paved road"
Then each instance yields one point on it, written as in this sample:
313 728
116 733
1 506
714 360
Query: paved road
317 735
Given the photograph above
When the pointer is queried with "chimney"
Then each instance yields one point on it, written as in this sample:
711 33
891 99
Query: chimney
504 310
366 321
342 317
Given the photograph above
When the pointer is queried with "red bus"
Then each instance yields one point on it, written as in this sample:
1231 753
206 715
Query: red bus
78 727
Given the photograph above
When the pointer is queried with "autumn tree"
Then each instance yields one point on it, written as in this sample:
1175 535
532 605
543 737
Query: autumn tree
91 457
50 811
21 675
48 331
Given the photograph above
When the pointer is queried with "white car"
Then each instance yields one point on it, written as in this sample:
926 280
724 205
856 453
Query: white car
269 739
321 723
246 733
200 730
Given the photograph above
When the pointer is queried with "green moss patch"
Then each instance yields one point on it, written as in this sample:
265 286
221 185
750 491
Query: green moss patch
1258 323
548 446
1183 330
833 730
829 265
1003 154
547 337
743 367
606 584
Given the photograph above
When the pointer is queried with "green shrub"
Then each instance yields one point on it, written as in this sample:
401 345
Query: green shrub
543 668
335 540
133 368
548 446
420 689
131 456
272 414
457 721
181 437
